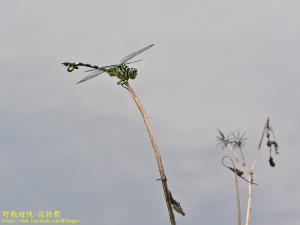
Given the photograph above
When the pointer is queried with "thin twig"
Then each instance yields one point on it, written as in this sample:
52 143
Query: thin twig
230 148
243 158
156 151
249 202
237 188
238 200
250 173
259 145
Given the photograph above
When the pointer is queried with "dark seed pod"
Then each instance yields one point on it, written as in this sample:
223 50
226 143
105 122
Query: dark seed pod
269 143
276 147
271 161
176 205
237 171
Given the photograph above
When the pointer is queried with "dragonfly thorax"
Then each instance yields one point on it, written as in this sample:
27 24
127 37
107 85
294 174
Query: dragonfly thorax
123 72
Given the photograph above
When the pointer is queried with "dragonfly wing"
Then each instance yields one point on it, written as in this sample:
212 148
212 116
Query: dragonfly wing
108 67
92 75
130 56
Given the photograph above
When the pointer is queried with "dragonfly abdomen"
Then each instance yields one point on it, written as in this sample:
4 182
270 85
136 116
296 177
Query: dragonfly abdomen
72 66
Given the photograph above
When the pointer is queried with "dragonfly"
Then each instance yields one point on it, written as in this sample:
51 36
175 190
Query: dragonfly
120 70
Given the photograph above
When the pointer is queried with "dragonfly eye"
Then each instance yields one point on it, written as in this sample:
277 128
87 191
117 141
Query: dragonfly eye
133 73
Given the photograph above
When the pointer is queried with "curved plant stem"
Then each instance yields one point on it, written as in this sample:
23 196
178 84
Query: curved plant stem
156 151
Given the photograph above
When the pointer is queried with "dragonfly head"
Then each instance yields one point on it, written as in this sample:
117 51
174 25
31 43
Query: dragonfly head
133 73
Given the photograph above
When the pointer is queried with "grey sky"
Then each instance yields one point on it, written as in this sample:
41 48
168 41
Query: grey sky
84 150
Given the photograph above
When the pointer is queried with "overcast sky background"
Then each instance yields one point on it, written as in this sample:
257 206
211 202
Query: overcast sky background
84 150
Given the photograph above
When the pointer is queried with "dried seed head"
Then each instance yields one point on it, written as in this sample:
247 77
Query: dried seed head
238 140
271 161
176 205
222 140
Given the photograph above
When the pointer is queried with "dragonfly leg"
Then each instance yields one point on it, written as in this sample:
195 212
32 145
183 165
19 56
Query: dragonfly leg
123 83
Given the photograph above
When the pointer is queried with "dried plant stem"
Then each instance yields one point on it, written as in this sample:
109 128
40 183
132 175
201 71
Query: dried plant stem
236 141
236 156
249 203
237 189
156 151
238 200
259 145
243 158
251 171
